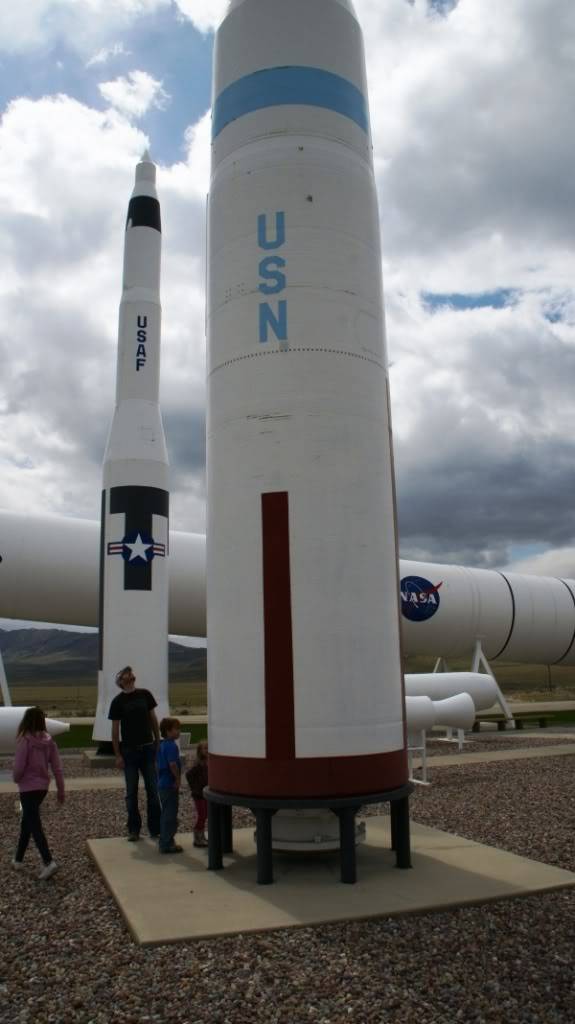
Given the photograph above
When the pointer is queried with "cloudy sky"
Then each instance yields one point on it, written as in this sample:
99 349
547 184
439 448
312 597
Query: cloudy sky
472 117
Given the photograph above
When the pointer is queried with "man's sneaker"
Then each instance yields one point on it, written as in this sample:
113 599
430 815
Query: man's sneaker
48 870
17 864
133 837
200 839
173 849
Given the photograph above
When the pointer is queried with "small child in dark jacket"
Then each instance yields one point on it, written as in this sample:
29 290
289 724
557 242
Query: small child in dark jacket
197 777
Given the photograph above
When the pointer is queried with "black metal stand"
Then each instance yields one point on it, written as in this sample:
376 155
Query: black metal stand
264 845
220 827
347 857
215 852
399 811
226 828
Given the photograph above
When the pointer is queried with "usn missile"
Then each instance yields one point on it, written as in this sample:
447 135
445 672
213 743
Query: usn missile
133 608
304 673
10 719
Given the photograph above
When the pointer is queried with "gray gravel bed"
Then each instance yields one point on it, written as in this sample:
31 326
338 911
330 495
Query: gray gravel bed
65 955
76 766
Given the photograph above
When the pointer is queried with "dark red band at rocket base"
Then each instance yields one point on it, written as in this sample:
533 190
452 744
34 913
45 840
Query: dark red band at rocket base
307 777
278 649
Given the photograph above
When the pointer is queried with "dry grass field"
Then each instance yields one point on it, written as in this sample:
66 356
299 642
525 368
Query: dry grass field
518 682
80 701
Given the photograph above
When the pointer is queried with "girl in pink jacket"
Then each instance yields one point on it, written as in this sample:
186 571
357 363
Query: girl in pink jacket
36 753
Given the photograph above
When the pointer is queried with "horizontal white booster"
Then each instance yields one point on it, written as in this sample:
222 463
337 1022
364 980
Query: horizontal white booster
36 551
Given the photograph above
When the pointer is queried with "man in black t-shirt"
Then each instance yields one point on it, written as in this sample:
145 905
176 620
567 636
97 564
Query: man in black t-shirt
135 738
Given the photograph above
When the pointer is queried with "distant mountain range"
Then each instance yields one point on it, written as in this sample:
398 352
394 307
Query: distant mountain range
58 657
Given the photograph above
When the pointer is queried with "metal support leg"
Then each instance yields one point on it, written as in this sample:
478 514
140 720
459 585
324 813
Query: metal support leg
400 809
393 825
264 845
347 857
215 860
226 828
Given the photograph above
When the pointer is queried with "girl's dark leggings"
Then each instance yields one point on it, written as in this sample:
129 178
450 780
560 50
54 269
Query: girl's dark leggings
32 825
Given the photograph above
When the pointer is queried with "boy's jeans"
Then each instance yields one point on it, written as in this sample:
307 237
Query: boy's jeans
169 799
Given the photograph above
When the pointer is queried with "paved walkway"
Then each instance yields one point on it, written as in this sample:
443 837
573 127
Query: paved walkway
486 756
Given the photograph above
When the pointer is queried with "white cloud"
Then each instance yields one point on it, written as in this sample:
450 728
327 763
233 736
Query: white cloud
83 24
204 14
106 53
474 152
63 210
558 562
135 93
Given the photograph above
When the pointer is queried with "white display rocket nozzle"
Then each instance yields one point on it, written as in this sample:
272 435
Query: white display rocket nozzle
133 612
10 719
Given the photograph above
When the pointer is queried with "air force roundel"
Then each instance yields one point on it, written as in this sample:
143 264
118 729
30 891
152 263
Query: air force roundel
137 547
419 598
138 506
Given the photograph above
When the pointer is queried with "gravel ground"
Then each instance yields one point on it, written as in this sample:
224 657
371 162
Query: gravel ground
65 955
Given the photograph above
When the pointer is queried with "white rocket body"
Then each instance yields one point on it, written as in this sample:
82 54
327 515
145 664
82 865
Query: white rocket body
304 672
10 719
133 612
456 712
441 686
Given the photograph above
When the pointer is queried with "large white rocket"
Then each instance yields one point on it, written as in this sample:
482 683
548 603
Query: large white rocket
133 605
304 674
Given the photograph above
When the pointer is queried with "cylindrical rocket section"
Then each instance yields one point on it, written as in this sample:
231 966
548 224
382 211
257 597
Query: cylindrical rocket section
447 608
10 719
133 610
304 669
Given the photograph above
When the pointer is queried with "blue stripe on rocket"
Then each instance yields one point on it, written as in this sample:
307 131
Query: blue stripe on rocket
303 86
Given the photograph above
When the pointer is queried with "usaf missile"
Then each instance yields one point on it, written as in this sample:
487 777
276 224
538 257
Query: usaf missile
10 719
304 671
133 602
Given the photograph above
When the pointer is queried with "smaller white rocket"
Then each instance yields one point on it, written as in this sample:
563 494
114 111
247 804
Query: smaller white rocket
10 719
133 608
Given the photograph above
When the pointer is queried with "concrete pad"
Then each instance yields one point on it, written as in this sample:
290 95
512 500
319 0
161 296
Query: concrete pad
172 898
98 761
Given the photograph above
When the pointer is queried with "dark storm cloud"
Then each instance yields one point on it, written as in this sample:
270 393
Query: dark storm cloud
486 459
186 439
466 506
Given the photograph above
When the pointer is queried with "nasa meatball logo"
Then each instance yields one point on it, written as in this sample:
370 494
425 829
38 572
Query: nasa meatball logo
419 598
